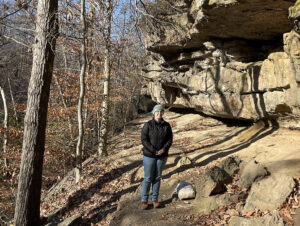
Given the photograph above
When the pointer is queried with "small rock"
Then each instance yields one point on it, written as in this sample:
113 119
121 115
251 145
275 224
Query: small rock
183 161
209 45
233 212
185 191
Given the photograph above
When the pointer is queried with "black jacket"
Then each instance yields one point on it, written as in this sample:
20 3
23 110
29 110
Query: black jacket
156 136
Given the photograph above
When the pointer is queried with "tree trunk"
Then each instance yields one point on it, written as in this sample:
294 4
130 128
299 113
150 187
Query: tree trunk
5 123
86 103
102 148
86 99
12 99
61 93
128 107
65 106
81 97
27 210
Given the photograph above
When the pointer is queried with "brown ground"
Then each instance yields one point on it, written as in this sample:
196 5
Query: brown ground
204 140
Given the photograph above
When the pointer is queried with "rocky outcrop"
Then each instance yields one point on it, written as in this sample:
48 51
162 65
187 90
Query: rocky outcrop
230 58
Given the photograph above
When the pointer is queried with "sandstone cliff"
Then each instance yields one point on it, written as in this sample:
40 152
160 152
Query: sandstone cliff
227 58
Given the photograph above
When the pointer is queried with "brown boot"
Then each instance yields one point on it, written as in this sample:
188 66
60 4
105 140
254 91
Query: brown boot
144 205
155 204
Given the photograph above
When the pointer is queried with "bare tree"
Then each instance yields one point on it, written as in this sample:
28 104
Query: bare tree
81 96
5 123
64 104
102 148
27 210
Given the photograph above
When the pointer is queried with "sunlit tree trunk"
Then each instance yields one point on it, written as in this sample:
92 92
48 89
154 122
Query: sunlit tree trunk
89 66
86 103
81 96
27 210
5 123
12 100
102 148
128 106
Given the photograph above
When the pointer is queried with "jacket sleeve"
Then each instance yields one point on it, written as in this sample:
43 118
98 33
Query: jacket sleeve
169 139
145 139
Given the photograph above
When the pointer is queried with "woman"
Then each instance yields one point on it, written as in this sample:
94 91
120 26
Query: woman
157 139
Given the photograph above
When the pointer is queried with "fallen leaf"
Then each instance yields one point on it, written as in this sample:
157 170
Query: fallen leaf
233 212
250 213
286 216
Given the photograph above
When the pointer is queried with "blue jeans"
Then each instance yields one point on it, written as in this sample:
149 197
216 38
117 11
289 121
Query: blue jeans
152 175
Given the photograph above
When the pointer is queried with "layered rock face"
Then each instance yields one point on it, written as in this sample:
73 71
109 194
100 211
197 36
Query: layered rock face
227 58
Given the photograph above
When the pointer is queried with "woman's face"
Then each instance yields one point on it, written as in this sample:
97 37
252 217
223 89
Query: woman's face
158 115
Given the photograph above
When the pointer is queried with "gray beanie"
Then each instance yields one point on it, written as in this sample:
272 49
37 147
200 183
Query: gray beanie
158 107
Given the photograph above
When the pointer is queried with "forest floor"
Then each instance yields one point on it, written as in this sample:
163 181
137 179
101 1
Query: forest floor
204 140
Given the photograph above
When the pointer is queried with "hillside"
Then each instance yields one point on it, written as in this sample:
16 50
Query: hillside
205 141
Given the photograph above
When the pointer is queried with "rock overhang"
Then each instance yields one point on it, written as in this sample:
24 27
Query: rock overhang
238 19
226 58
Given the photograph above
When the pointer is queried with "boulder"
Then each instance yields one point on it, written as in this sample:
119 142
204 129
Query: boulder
250 172
207 204
273 219
214 182
269 193
185 190
230 165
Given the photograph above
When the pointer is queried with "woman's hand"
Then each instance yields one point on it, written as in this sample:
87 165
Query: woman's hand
160 152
